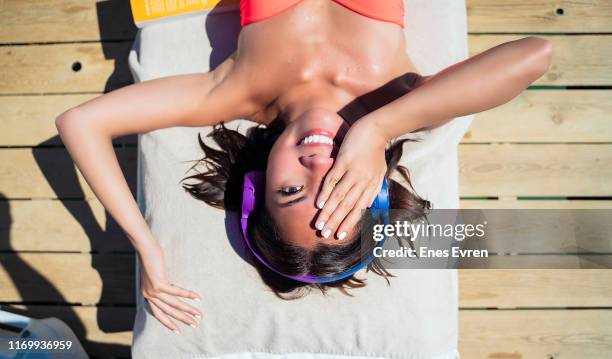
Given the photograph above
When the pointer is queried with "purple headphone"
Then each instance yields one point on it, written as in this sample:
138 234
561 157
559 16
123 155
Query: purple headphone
251 199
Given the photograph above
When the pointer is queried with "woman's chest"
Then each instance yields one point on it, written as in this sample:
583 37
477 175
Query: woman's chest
331 52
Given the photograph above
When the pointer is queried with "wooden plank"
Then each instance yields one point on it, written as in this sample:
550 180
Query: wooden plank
515 334
550 116
67 278
76 226
585 230
553 288
103 331
534 204
82 225
50 173
77 20
539 16
30 120
101 278
65 20
482 334
486 170
539 261
64 68
577 60
547 116
535 170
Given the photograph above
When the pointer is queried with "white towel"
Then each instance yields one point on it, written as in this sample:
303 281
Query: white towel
416 317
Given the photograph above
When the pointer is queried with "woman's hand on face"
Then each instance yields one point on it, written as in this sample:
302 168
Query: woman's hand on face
162 296
354 181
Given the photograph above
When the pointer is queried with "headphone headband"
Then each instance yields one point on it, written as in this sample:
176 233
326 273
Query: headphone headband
252 194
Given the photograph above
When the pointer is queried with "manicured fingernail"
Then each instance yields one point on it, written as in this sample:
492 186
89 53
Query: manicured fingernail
176 331
326 233
192 325
320 225
198 317
197 299
321 204
341 236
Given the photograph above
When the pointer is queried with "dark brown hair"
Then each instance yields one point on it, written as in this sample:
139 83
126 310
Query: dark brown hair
219 183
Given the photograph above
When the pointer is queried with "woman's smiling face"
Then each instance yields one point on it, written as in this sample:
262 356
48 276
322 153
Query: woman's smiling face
297 165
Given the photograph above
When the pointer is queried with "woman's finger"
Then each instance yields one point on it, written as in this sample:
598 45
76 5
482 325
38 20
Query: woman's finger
343 209
374 193
180 305
180 292
162 317
355 215
333 177
173 312
337 196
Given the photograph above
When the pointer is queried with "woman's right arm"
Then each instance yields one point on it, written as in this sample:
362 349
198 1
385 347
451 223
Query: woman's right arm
87 131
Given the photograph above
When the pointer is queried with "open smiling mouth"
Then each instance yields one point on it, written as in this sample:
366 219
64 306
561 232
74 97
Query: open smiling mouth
318 138
319 142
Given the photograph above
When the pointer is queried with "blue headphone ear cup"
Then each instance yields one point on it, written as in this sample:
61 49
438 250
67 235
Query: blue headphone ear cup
382 199
380 206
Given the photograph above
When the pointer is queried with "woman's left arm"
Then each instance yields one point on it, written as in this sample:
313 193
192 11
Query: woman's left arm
479 83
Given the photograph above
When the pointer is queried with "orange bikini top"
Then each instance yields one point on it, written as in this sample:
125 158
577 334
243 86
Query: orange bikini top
385 10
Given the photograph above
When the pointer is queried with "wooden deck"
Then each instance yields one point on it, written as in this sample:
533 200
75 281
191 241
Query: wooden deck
550 148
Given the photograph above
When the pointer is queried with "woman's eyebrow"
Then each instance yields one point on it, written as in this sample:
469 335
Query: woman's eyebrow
292 202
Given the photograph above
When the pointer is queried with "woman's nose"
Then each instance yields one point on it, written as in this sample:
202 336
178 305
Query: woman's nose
317 163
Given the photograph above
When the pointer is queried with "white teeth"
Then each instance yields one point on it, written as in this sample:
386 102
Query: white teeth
317 139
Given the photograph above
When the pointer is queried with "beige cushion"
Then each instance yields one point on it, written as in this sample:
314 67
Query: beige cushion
416 317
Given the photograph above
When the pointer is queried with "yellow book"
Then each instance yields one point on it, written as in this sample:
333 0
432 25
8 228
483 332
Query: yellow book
148 11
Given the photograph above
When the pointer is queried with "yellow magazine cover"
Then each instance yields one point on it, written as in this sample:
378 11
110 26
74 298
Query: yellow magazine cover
148 11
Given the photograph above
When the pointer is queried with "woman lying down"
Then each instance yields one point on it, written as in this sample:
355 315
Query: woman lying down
331 86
